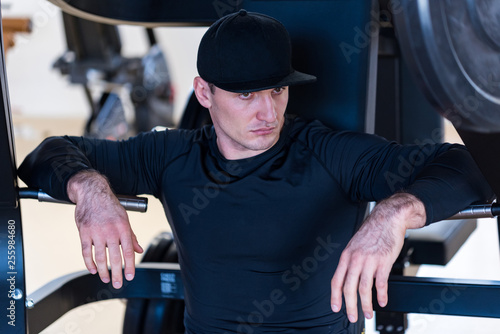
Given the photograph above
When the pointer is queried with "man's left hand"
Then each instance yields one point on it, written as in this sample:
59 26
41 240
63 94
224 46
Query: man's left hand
371 253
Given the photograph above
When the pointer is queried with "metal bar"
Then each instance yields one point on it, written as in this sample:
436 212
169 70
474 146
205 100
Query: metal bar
478 211
49 303
498 229
151 36
12 276
130 203
475 298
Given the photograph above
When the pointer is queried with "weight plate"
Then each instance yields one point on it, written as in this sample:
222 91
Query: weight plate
453 49
135 314
158 247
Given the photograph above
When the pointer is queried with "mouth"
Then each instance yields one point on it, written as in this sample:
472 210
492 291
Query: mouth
264 131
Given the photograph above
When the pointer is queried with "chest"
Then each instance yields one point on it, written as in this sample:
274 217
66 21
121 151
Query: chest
265 217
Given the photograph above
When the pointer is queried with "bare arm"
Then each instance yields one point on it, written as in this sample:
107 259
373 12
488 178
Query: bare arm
103 223
372 251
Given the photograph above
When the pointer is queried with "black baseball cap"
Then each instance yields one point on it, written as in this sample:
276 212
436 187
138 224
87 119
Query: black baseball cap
245 52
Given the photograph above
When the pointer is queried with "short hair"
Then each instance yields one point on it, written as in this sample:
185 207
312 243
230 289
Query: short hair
212 88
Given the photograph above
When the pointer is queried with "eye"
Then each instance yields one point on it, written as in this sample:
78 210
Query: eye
246 95
279 90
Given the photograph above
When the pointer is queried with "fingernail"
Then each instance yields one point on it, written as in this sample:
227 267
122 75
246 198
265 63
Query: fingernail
335 308
93 271
368 315
129 277
116 285
351 318
105 280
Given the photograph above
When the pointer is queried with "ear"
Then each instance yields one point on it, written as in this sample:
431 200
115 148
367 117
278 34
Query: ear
202 92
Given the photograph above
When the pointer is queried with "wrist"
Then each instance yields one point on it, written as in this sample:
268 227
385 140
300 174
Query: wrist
409 208
85 183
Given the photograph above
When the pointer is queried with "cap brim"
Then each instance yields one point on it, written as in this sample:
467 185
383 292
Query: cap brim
294 78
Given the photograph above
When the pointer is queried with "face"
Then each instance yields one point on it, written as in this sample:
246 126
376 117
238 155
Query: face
246 124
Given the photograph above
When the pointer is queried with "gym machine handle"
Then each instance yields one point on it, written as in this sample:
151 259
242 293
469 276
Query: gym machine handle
140 204
130 203
478 211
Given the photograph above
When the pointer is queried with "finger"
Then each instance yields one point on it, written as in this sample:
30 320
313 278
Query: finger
365 289
137 246
101 261
337 284
115 260
87 255
381 285
127 244
351 293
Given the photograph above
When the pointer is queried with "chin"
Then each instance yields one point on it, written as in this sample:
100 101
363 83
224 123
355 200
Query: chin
267 143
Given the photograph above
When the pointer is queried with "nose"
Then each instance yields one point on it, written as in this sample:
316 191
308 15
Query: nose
267 111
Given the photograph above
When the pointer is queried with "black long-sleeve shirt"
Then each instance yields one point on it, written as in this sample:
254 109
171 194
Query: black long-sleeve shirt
259 238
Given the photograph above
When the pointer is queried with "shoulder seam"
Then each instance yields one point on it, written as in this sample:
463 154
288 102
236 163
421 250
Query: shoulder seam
317 157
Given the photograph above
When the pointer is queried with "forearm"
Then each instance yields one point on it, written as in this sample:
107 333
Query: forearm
69 168
132 167
449 183
52 164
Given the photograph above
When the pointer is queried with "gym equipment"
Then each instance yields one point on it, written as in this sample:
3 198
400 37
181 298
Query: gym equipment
93 59
150 13
130 203
349 51
452 47
12 279
143 316
437 43
49 303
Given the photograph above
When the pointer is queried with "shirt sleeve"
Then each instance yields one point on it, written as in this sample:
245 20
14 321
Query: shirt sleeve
369 168
132 166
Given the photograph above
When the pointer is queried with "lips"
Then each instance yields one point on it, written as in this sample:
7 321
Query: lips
264 131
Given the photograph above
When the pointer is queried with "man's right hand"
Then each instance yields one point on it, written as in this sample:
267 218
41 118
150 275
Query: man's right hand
103 223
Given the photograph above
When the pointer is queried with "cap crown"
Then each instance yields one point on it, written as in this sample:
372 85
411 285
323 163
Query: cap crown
245 51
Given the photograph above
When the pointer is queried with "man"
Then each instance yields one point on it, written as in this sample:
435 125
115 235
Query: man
263 205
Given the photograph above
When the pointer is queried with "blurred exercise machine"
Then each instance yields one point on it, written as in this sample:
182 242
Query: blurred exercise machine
126 95
383 67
